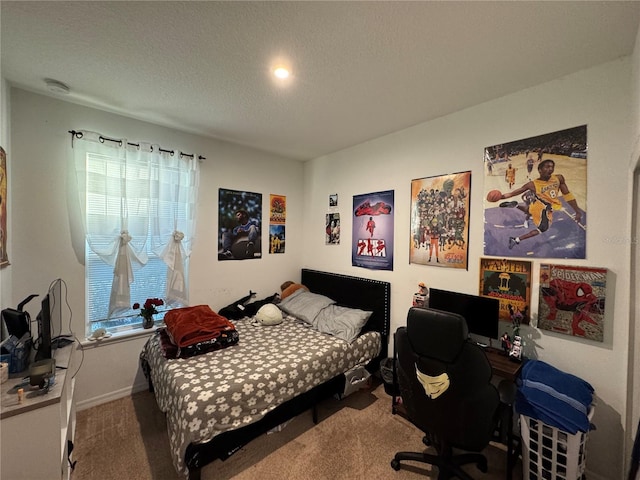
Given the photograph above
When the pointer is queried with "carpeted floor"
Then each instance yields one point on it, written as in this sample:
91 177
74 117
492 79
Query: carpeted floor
356 438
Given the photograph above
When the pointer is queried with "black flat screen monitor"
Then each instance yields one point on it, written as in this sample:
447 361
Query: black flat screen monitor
481 313
49 320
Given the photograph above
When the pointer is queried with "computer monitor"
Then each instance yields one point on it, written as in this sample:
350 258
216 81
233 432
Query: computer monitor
43 342
481 313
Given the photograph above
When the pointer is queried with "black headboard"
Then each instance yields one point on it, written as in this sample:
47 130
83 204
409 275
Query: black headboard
356 292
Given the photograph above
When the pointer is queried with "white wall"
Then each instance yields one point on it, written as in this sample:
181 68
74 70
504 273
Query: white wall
41 233
598 97
634 311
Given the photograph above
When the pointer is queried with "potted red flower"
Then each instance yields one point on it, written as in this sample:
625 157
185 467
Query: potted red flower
148 310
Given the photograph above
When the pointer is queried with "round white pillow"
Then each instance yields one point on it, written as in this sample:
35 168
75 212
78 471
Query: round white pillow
269 314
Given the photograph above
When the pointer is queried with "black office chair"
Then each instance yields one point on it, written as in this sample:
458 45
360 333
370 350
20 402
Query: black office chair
463 410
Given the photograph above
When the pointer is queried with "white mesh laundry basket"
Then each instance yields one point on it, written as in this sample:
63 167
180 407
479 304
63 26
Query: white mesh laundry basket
549 453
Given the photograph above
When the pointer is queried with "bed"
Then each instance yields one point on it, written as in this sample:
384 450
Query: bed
217 402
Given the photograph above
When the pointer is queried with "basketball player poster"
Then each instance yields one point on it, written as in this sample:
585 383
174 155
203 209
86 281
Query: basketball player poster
372 240
572 300
440 220
535 196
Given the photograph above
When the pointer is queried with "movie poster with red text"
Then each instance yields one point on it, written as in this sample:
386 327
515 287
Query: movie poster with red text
372 239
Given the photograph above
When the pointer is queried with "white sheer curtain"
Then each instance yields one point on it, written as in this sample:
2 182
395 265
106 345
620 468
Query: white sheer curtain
128 194
173 216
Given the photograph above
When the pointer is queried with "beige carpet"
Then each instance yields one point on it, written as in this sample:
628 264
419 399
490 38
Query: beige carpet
356 438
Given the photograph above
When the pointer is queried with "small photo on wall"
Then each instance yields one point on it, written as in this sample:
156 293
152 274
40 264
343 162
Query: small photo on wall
332 229
572 300
535 196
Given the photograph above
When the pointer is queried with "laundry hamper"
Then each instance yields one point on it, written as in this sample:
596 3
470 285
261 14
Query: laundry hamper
549 453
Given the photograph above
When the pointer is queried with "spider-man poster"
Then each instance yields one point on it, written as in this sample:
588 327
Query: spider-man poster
572 300
372 245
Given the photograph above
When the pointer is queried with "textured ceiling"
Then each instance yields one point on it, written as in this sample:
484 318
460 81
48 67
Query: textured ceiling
360 69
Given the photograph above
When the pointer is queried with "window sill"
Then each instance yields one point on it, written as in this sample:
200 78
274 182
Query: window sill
119 337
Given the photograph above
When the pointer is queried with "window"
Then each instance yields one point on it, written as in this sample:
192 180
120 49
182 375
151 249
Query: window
149 282
138 206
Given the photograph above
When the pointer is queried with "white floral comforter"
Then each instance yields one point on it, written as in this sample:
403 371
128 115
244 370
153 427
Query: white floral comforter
212 393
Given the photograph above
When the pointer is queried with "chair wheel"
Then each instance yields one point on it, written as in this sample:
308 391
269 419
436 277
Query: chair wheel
482 465
395 464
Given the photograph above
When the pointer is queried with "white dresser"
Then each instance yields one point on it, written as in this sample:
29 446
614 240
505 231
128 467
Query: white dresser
34 433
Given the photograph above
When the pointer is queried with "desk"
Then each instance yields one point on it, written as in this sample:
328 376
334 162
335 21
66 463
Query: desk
35 433
501 365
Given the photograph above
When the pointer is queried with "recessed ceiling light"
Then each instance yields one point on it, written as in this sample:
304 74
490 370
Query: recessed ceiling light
281 72
56 86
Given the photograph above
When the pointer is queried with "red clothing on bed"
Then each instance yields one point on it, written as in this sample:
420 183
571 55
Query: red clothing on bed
191 325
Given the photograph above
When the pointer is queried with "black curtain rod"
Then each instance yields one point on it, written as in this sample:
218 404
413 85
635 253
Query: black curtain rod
115 140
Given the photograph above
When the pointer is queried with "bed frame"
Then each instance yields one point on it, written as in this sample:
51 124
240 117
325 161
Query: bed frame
348 291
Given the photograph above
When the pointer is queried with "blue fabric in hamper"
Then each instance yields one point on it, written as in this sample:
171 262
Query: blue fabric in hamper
554 397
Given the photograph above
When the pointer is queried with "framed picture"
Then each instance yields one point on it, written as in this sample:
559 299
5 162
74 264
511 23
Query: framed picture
440 220
510 282
535 196
372 234
572 300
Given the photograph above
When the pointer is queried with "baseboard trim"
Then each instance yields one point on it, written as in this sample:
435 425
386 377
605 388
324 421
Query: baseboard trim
592 476
108 397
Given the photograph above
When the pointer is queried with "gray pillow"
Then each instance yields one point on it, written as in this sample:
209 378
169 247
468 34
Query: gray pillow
341 322
305 305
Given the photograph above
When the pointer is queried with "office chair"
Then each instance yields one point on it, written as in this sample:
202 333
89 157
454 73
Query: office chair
462 409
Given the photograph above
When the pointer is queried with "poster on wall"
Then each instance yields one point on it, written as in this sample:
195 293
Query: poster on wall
277 220
4 260
277 238
535 196
372 237
510 282
572 300
239 225
440 220
332 229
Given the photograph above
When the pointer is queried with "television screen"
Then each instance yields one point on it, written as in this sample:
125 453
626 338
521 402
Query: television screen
481 313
